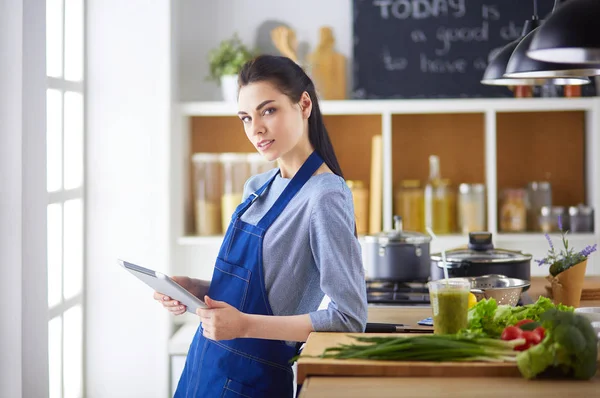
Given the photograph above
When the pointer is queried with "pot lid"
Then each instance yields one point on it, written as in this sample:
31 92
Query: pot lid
481 250
398 235
482 257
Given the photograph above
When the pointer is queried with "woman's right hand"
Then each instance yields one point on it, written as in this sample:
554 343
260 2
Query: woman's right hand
173 306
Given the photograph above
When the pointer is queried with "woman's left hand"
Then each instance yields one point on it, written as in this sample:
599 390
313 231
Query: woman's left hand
221 321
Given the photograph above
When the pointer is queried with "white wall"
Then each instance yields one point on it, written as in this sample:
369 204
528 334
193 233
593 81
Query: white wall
128 115
23 291
204 23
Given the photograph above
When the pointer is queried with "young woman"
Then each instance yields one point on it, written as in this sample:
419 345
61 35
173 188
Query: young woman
290 242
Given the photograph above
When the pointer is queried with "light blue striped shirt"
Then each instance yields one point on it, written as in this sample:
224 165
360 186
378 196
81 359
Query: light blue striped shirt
310 250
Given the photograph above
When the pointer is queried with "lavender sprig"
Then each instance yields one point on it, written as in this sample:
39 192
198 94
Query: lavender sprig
588 250
566 257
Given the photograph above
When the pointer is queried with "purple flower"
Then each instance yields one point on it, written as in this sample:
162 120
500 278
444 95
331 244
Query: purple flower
549 242
588 250
541 262
560 222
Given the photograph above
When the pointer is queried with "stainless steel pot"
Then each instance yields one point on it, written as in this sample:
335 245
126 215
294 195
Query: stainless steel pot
397 255
481 258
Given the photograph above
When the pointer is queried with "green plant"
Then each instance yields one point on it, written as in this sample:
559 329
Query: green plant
228 58
567 257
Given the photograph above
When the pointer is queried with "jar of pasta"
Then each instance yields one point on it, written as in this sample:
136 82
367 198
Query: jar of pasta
360 198
207 193
409 204
513 211
471 208
235 173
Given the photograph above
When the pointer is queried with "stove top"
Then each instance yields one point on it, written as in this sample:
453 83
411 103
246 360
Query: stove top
397 293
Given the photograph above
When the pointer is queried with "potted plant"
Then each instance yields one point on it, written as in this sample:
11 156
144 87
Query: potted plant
225 62
567 269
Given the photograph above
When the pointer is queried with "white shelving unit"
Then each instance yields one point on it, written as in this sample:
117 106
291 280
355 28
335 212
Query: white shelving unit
195 250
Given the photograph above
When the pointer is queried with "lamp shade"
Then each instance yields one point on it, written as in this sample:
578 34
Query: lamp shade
494 73
569 35
521 66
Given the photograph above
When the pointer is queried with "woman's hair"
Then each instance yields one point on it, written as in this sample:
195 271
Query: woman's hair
291 80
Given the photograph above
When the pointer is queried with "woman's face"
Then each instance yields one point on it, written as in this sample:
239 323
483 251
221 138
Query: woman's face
273 124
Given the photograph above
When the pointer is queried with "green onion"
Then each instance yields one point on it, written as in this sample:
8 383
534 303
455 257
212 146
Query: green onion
426 348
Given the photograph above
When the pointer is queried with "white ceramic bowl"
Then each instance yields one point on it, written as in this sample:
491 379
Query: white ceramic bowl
591 313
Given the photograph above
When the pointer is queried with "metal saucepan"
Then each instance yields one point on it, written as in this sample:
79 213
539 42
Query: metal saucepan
397 255
480 258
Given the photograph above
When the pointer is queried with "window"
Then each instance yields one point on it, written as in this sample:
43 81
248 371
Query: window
65 96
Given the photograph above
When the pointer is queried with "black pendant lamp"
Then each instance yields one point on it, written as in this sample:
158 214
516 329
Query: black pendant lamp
570 34
494 73
521 66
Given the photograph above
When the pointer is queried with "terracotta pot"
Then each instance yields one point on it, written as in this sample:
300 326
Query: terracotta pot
567 286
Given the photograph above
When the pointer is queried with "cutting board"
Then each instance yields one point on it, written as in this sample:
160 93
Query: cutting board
318 342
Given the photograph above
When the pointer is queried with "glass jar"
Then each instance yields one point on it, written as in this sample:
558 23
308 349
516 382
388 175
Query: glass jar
207 193
513 211
539 194
548 219
360 198
409 204
581 219
235 173
471 208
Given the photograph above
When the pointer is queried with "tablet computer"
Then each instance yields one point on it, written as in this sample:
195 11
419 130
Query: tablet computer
165 285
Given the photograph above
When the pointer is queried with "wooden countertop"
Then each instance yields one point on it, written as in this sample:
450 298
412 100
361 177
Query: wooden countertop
417 387
489 387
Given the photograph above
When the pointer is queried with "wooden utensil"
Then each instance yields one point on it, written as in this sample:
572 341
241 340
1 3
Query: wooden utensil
328 67
285 41
376 188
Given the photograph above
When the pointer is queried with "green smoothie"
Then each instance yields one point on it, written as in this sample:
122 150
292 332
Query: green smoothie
450 307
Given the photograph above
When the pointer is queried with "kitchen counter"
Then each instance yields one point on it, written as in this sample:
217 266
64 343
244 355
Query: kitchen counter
416 387
359 386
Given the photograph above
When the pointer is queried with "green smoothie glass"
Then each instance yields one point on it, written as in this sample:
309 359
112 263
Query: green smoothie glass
450 304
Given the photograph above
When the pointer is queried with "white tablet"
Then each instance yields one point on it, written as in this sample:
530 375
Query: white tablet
165 285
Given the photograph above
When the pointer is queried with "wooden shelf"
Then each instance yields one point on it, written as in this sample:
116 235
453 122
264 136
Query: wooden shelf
458 140
351 137
543 146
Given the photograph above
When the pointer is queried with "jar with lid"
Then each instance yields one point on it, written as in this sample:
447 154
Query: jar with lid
360 198
207 193
409 204
257 164
235 174
471 208
539 194
513 211
548 219
581 219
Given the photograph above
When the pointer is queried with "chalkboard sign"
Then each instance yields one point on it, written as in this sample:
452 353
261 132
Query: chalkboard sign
433 48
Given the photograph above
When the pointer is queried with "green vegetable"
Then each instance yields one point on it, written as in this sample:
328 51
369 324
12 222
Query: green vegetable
570 348
427 348
489 319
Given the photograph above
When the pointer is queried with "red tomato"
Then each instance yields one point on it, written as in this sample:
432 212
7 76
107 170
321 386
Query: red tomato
531 338
523 322
541 332
511 333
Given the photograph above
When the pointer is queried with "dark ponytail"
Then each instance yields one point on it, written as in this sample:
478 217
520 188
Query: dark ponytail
292 81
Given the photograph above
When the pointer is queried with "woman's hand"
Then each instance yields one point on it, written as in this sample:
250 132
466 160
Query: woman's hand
221 321
174 306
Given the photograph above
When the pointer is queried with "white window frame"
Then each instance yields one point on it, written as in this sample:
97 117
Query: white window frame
63 195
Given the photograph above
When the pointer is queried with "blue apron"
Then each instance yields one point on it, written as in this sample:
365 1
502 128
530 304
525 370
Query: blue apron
244 367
